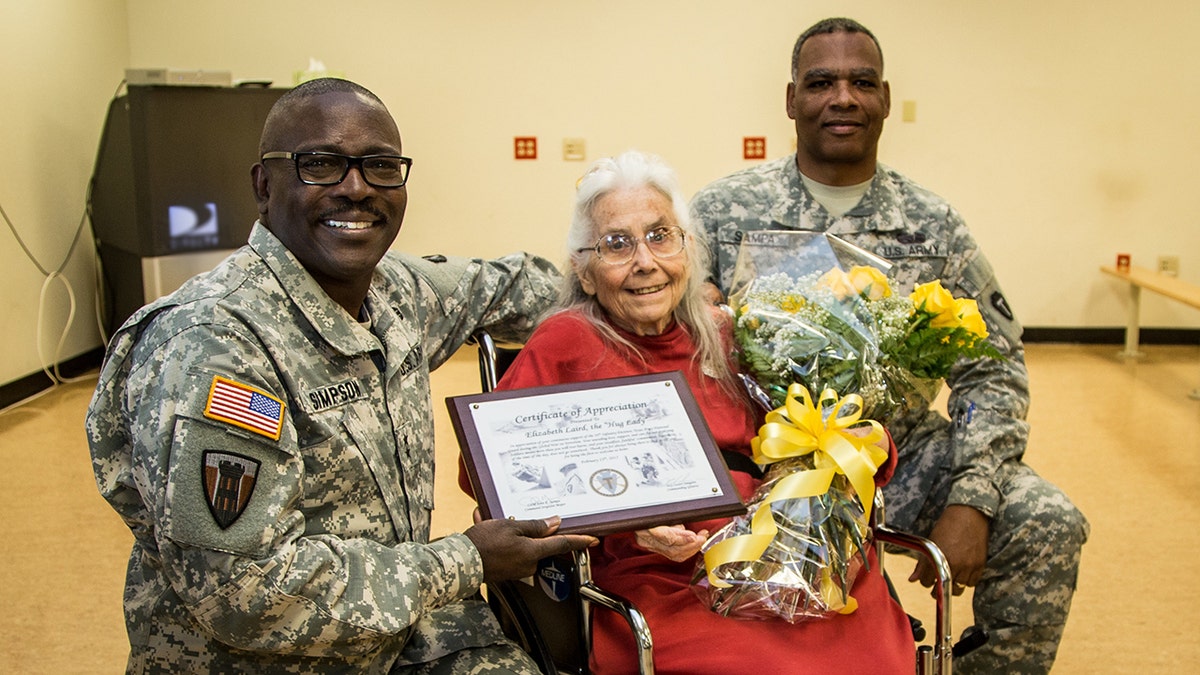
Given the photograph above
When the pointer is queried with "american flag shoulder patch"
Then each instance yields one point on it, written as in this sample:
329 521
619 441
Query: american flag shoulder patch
244 406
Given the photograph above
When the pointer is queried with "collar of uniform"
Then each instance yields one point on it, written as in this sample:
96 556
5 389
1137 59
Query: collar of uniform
879 210
401 345
802 211
327 318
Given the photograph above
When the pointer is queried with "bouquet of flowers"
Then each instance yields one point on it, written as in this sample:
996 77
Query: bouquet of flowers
839 325
833 353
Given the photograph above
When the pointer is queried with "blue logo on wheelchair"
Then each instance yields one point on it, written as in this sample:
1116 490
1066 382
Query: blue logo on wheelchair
554 579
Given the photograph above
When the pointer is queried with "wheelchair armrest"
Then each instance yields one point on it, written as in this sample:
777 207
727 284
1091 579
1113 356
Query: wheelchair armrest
594 595
944 643
637 622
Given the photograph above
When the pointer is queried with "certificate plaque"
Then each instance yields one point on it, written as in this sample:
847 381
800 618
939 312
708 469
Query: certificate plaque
607 456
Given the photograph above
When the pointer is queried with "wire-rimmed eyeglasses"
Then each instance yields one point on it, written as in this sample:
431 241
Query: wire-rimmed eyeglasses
330 168
619 248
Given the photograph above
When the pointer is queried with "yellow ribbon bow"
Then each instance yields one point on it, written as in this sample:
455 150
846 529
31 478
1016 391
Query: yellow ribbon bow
795 429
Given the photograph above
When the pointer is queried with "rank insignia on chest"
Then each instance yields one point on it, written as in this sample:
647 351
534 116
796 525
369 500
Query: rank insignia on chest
228 483
245 407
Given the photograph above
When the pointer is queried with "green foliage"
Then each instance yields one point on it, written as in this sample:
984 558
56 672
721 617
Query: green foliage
930 352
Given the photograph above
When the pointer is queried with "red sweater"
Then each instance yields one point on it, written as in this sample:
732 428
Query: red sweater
688 638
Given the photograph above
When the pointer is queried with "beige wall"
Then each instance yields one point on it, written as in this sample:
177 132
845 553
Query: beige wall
1064 135
63 60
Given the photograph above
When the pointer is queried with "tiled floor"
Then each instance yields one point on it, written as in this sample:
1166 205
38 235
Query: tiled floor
1122 438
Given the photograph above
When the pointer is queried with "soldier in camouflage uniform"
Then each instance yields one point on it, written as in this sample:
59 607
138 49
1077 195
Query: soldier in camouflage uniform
1006 531
267 434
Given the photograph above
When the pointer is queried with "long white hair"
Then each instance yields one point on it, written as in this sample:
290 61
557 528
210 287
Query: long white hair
633 169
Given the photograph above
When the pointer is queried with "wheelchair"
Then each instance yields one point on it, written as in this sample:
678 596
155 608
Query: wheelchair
549 616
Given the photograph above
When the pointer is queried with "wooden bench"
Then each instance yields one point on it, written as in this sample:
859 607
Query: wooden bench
1151 280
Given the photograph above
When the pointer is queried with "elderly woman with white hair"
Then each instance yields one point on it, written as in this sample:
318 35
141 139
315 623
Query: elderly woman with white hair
633 303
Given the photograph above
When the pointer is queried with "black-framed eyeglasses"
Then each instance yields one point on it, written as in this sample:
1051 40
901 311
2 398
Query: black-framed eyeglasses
330 168
619 248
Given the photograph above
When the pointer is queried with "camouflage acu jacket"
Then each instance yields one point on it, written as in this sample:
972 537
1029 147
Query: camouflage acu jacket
925 239
274 459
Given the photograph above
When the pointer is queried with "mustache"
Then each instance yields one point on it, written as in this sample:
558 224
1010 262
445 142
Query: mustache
337 212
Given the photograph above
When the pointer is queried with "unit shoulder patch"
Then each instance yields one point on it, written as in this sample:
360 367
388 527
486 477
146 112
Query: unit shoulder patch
228 483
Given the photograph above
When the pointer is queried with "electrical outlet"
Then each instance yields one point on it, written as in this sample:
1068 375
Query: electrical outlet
574 149
1169 264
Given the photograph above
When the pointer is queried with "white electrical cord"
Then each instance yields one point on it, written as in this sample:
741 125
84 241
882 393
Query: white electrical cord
49 367
62 338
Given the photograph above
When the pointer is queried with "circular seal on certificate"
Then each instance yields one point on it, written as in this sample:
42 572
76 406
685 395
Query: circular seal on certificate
609 482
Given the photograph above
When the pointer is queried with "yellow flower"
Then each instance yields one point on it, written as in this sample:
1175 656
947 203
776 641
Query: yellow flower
791 303
870 282
971 319
936 300
839 282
